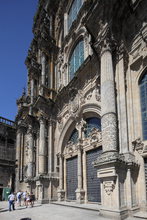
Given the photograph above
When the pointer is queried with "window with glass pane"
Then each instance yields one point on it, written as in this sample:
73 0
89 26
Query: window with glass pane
74 136
92 123
143 100
76 59
73 12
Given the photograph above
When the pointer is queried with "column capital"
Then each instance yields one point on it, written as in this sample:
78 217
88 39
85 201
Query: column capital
105 41
42 119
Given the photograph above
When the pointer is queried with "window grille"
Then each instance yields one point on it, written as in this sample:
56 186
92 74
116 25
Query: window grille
143 100
73 12
76 59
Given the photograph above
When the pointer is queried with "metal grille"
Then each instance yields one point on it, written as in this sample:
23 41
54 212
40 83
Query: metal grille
71 175
145 167
143 99
93 183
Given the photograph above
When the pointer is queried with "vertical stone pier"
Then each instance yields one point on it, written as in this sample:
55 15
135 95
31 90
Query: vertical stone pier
30 152
18 146
42 150
61 191
110 162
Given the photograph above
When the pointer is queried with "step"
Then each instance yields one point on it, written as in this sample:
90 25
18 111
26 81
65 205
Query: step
87 206
140 215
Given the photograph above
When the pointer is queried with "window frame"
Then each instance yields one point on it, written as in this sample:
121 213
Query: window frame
78 60
73 12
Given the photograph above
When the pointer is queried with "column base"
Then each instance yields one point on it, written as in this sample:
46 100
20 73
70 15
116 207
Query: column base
114 213
80 196
43 201
61 195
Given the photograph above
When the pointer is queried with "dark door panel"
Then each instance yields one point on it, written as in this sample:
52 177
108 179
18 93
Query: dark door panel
71 175
93 183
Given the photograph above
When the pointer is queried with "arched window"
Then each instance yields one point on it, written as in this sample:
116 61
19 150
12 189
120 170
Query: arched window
73 12
76 59
143 100
74 136
92 123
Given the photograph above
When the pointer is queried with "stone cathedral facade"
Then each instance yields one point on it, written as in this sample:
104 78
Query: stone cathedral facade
82 124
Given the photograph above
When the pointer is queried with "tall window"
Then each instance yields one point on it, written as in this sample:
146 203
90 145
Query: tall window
76 59
75 7
143 98
92 123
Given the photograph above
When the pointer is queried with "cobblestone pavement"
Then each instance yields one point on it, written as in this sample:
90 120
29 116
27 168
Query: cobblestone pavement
48 212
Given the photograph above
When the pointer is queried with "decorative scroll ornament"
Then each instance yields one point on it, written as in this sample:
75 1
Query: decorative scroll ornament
139 146
96 136
109 186
70 148
60 123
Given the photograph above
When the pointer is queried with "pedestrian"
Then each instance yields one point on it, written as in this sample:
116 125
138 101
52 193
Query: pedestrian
24 195
32 199
27 200
19 194
11 199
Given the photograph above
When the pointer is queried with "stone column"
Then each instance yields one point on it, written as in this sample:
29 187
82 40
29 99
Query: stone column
80 193
108 105
43 59
18 147
61 192
32 90
61 172
30 152
85 175
122 108
110 164
42 150
50 142
22 154
79 167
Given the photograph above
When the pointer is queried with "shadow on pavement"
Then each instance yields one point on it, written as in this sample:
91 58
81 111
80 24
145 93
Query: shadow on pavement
25 219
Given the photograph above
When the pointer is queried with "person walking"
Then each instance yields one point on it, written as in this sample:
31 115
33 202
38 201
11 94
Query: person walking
11 199
24 198
19 194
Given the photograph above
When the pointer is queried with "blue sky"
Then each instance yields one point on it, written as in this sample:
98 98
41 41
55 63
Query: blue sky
16 20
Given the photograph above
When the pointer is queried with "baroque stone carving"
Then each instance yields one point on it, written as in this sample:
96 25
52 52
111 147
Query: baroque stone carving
81 126
109 186
109 131
70 148
139 146
60 123
96 136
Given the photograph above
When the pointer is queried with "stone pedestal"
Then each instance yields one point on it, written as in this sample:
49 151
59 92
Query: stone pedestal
61 195
80 196
112 171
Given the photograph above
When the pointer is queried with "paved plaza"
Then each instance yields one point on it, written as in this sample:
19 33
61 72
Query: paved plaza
48 212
